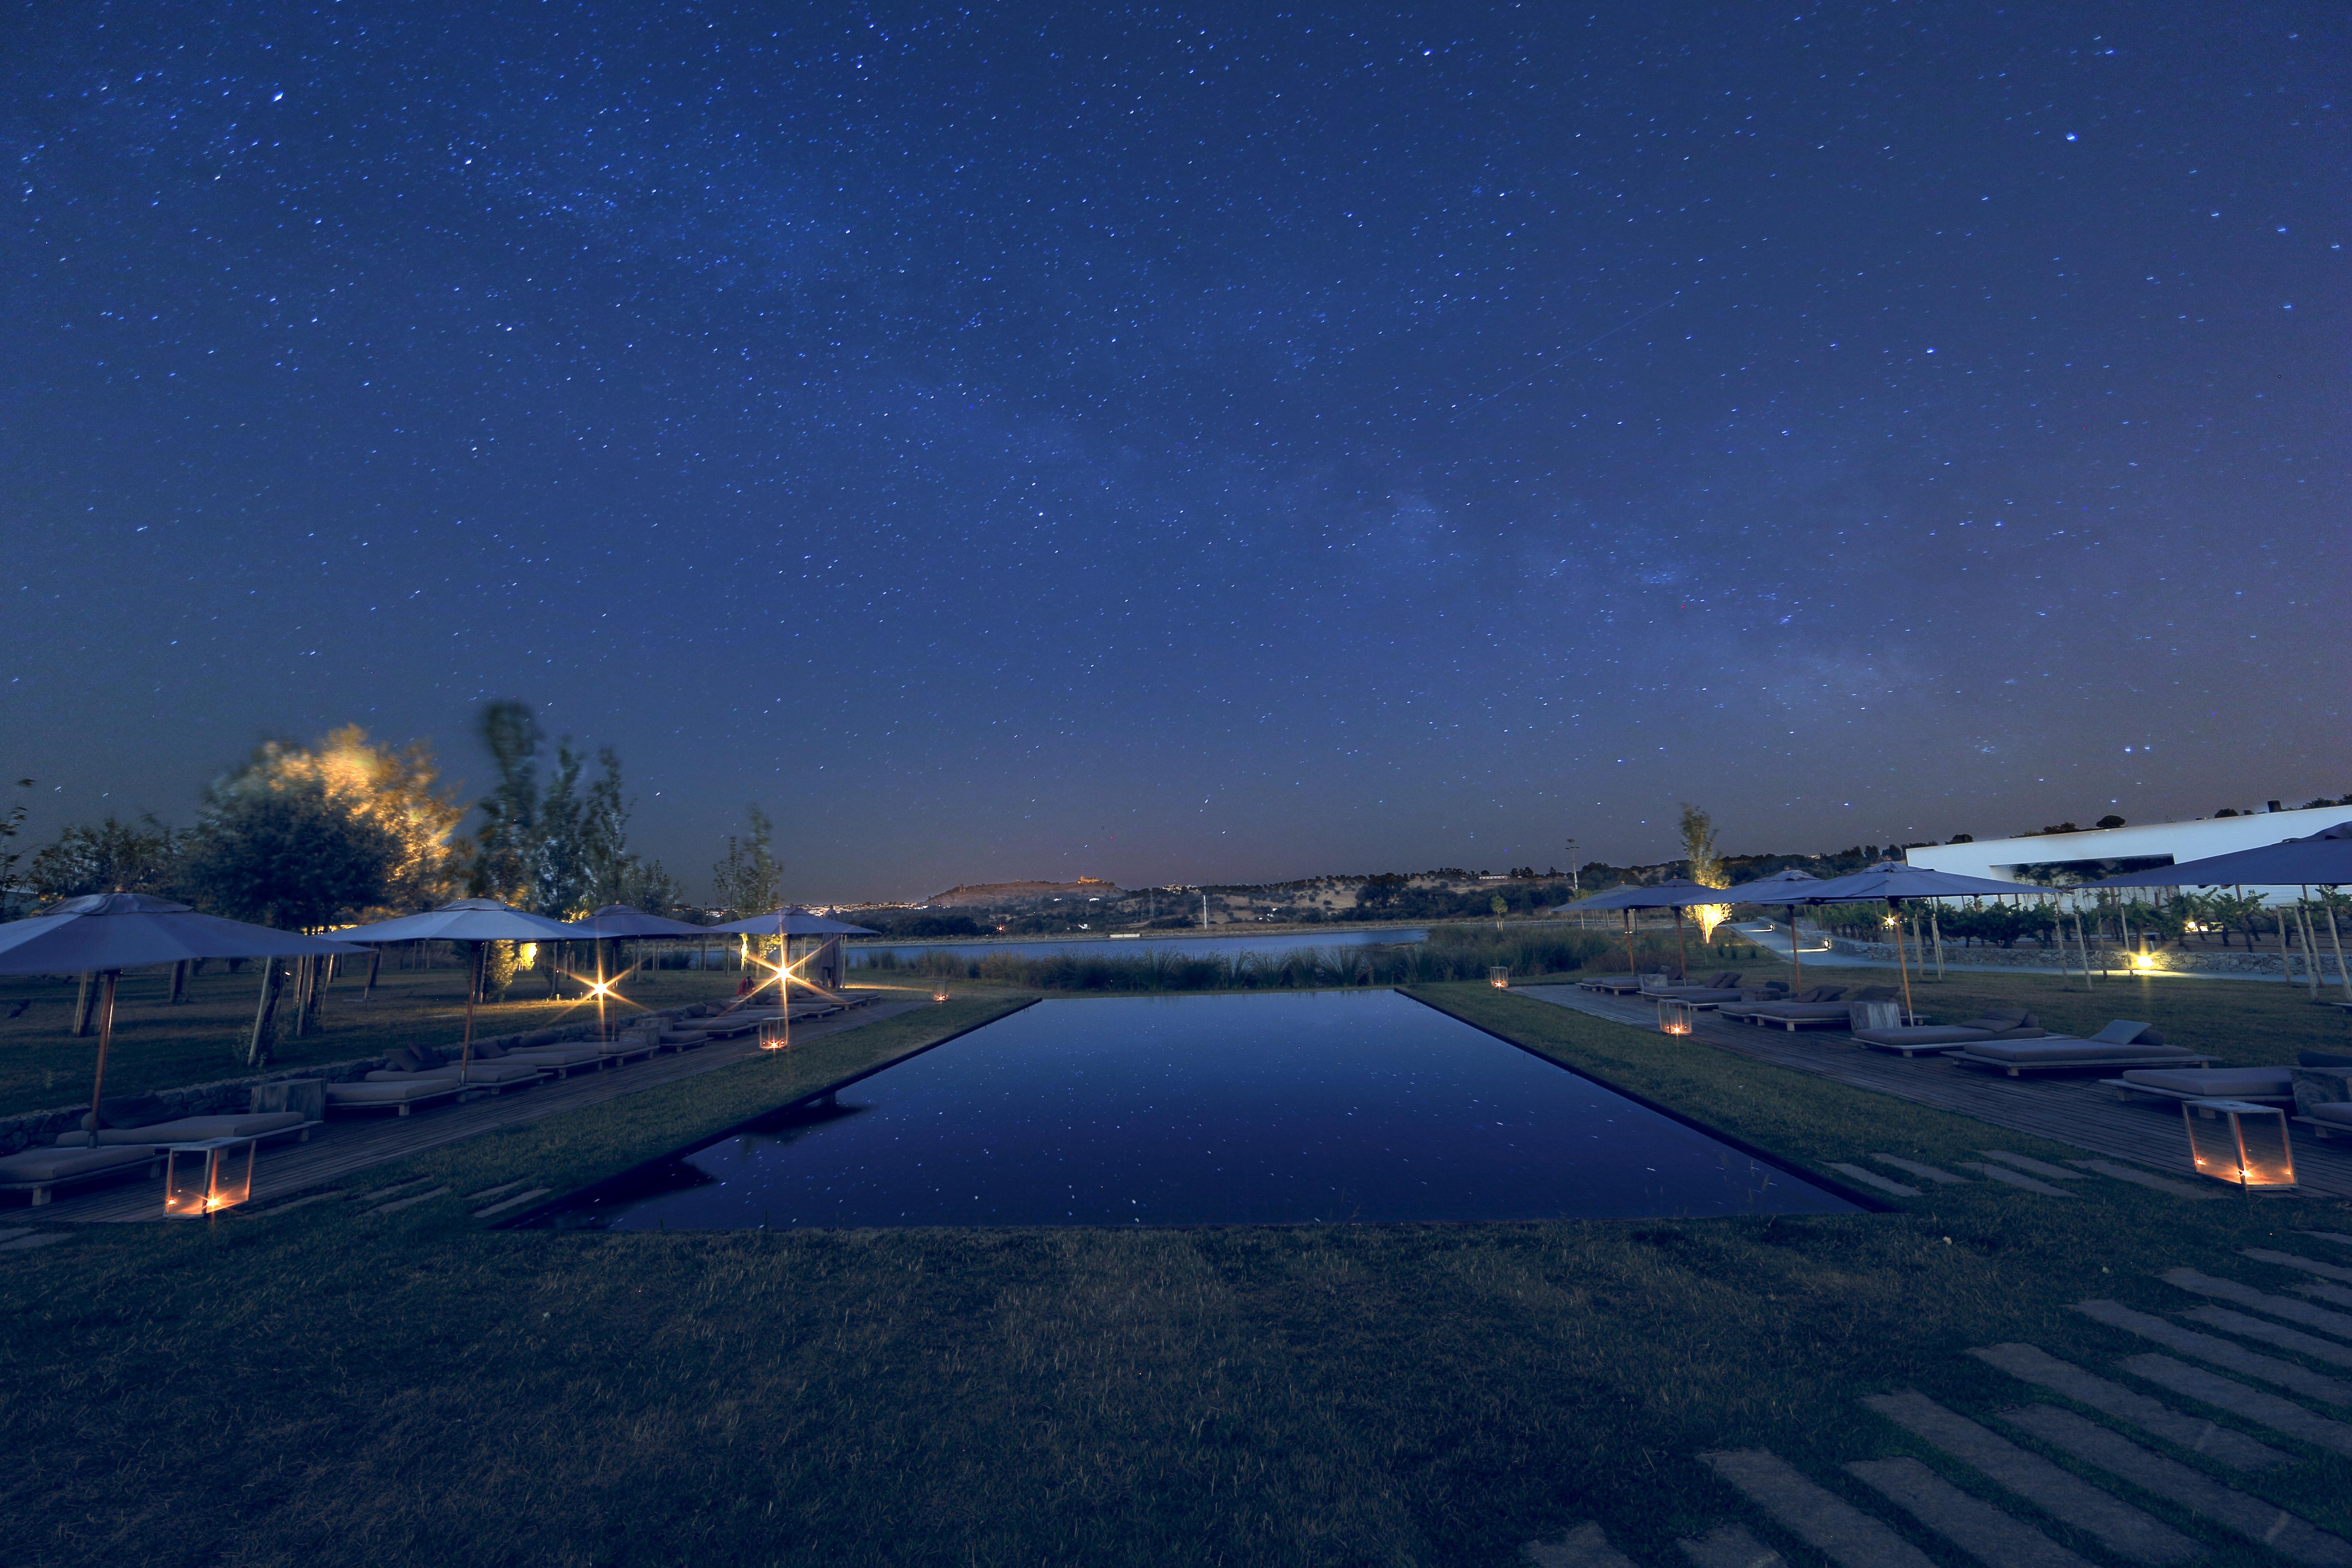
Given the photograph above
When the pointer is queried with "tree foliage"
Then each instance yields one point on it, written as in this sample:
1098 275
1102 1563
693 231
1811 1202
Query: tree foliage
562 849
110 857
290 855
751 880
396 790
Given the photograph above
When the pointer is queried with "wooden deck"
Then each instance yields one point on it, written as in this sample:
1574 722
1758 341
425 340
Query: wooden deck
2075 1111
353 1143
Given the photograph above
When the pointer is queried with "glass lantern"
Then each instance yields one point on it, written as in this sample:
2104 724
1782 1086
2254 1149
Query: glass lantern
202 1178
2238 1142
941 995
1499 977
775 1034
1676 1018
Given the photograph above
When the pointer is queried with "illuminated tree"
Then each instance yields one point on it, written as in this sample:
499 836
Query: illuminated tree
395 790
289 856
1707 867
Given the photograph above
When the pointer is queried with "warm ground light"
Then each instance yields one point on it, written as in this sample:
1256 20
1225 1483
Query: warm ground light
332 1387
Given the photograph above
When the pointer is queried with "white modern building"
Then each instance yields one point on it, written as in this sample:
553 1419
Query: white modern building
2000 858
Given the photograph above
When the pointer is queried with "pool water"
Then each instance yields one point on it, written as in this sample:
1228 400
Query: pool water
1293 1108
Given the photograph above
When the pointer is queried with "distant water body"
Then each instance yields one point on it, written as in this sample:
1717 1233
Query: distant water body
1123 947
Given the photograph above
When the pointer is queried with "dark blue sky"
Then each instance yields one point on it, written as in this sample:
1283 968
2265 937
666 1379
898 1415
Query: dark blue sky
1185 443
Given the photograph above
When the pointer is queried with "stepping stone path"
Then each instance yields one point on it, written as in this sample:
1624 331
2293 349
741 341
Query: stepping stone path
2221 1353
1872 1179
37 1240
2248 1516
2033 1167
2337 1294
1829 1524
2014 1178
335 1196
1930 1173
2144 1179
2121 1528
513 1203
2285 1307
411 1202
1977 1527
2292 1261
1850 1537
2036 1365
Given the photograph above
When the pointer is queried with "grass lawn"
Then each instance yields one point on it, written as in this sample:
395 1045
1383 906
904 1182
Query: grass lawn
325 1386
2241 1023
158 1046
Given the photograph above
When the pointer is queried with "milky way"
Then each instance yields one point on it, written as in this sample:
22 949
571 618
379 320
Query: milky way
1182 444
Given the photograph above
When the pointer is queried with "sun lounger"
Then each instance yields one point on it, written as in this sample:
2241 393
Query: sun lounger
1807 998
2265 1086
256 1124
2122 1043
41 1171
1935 1040
1727 981
397 1098
1825 1014
2329 1122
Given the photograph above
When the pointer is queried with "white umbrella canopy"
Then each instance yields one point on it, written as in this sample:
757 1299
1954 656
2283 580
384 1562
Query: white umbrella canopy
1675 893
469 920
1786 886
623 919
1895 881
110 932
138 930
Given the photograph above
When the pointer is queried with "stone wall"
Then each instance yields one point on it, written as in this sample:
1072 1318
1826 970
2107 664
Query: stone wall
231 1095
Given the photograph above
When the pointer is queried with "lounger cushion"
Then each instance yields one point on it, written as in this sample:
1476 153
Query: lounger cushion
56 1164
1818 993
399 1093
507 1071
2032 1053
1798 1010
2216 1083
1925 1035
2342 1113
195 1129
554 1056
2123 1032
2322 1060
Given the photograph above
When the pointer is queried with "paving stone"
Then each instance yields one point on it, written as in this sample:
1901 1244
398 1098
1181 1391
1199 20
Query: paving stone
2031 1167
516 1202
2294 1311
1972 1524
410 1202
2221 1353
1931 1172
12 1234
2013 1178
2297 1260
2194 1433
1730 1546
2121 1528
2226 1394
296 1204
1872 1179
1583 1546
493 1192
1835 1528
2336 1293
2142 1178
40 1238
2271 1333
2336 1236
2275 1527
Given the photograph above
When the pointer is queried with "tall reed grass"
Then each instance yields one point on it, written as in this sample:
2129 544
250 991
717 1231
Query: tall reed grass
1452 952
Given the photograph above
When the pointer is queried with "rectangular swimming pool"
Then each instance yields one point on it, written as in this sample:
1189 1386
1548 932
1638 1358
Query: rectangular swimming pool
1271 1109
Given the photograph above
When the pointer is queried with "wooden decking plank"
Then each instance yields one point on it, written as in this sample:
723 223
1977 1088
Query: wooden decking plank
2064 1110
343 1146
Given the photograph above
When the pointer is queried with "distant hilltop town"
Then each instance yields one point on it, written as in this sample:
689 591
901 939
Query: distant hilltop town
989 895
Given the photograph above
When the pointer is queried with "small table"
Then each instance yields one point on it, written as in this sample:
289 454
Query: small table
211 1179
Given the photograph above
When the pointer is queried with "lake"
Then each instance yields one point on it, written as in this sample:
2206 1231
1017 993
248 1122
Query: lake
1132 947
1294 1108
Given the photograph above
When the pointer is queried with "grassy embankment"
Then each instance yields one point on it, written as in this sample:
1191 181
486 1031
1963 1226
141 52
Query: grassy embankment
334 1387
157 1045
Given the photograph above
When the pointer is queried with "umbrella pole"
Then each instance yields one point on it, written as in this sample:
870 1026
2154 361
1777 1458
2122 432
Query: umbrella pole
105 1037
1796 953
1902 964
375 963
473 989
1629 944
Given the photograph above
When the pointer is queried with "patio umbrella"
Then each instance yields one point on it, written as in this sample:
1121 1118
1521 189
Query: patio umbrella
1677 893
789 922
2322 860
1895 881
1796 885
615 920
475 921
110 932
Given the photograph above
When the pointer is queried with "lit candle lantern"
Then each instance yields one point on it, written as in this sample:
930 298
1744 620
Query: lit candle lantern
2240 1142
1675 1018
1499 977
205 1177
939 996
775 1034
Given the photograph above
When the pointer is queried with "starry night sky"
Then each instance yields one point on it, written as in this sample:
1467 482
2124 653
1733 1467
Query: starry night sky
1179 443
